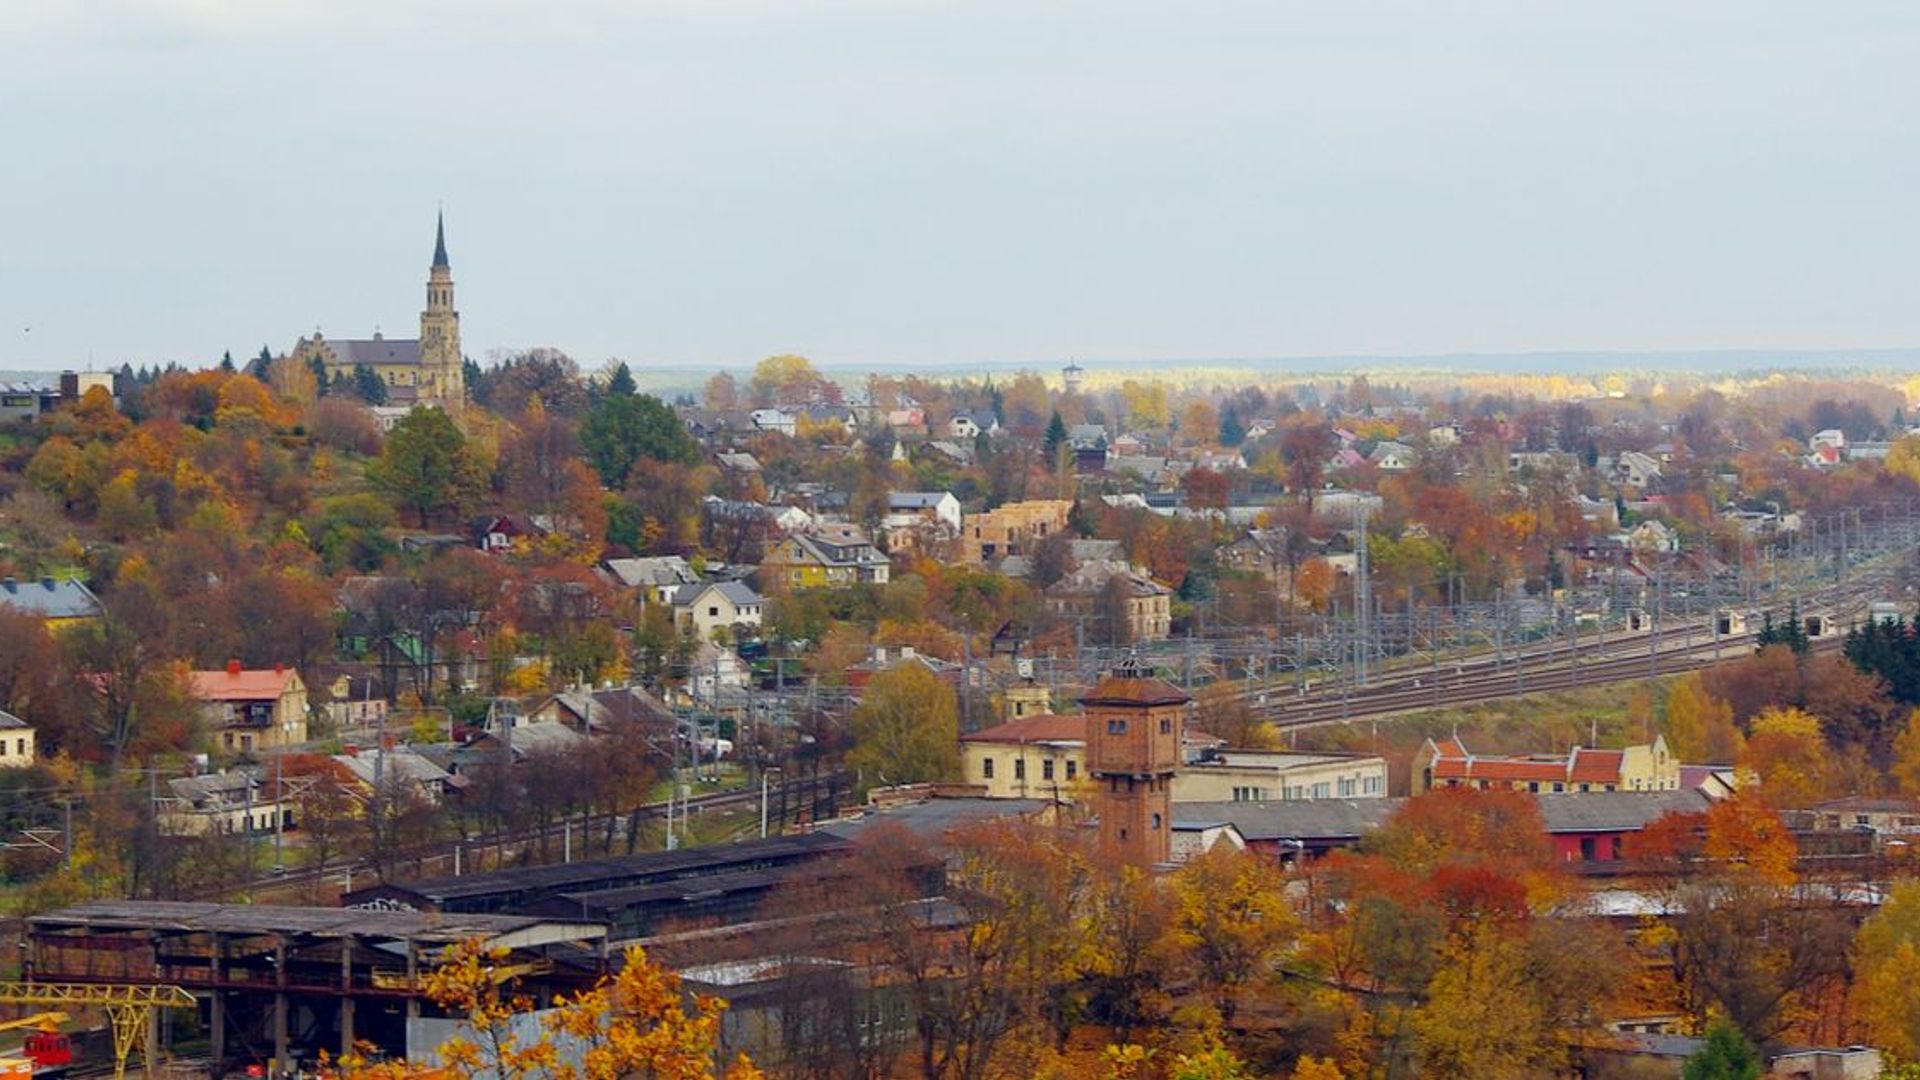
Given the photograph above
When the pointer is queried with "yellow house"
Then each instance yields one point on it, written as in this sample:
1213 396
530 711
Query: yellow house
1646 767
16 742
1278 776
250 710
1038 756
833 556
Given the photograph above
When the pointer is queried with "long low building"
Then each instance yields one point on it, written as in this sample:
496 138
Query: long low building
293 978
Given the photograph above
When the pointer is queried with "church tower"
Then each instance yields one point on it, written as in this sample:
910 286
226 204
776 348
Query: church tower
442 378
1134 722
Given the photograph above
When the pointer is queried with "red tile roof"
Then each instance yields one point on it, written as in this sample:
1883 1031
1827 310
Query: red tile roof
1595 766
1040 727
1115 690
262 684
1452 761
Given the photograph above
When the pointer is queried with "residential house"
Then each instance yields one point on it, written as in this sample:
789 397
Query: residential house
1833 437
774 420
829 556
738 462
717 676
1087 436
249 709
1013 529
371 770
1149 603
1654 535
881 658
947 451
972 425
702 608
779 518
1038 756
592 712
1644 767
656 579
1441 436
1262 775
56 602
355 699
1392 457
229 803
1635 470
495 533
920 519
937 507
16 742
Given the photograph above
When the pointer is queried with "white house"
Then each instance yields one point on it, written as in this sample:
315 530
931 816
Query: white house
705 607
773 420
910 507
1392 457
1833 437
656 578
972 425
16 741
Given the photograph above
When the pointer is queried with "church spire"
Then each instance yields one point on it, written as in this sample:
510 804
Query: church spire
440 240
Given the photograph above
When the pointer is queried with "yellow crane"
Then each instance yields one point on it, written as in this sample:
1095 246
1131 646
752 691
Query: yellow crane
128 1007
45 1021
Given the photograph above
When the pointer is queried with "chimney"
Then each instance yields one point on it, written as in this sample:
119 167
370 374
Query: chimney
351 750
279 668
233 668
906 652
47 582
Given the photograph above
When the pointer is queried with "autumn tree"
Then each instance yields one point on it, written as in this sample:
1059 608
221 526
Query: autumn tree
1886 957
790 380
1700 726
426 465
1232 923
1788 754
906 729
636 1022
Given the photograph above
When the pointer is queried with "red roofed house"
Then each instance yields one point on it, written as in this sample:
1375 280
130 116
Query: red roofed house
1036 756
1448 763
250 709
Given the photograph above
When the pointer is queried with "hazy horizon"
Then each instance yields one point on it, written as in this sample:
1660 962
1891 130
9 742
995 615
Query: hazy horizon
983 186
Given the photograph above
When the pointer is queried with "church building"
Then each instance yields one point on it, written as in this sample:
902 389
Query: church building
422 371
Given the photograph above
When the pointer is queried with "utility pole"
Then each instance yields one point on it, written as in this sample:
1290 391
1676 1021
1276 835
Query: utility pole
1362 594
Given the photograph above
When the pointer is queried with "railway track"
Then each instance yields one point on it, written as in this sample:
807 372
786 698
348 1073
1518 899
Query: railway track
1550 664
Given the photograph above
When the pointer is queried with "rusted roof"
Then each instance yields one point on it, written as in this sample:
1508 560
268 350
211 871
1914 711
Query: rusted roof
1040 727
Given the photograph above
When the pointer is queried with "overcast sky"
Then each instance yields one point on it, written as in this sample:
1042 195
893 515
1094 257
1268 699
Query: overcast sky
711 181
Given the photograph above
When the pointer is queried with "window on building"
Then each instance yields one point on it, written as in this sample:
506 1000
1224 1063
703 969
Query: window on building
1371 785
1166 727
1558 786
1322 789
1019 768
1072 767
1116 727
1586 848
1046 769
1156 823
1346 786
1533 785
986 768
713 612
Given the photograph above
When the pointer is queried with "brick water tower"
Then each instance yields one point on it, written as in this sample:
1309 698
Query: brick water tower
1133 747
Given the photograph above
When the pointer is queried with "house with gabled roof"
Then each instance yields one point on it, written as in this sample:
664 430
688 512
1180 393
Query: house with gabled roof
56 601
249 709
1646 767
16 741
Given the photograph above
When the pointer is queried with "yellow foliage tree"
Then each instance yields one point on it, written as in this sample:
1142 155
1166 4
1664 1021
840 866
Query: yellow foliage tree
1482 1018
636 1023
1887 966
1700 726
1313 1068
1788 755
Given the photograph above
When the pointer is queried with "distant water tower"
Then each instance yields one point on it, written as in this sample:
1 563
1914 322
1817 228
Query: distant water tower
1071 373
